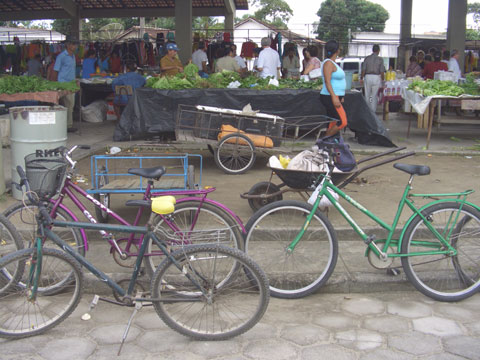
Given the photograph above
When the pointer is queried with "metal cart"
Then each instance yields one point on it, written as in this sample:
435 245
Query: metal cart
304 182
234 137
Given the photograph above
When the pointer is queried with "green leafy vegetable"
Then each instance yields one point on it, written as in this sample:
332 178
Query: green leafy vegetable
23 84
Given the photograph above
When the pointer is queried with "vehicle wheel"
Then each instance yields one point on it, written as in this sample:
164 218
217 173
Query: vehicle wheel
235 154
444 277
103 198
300 272
228 302
23 219
189 226
191 177
10 238
261 189
22 317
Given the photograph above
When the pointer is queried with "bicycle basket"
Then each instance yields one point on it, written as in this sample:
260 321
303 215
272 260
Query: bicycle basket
45 174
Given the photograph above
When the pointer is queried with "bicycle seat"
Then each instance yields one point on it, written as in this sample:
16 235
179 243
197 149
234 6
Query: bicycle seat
149 173
413 169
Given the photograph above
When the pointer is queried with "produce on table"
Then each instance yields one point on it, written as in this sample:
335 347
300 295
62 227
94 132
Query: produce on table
190 79
471 85
22 84
436 87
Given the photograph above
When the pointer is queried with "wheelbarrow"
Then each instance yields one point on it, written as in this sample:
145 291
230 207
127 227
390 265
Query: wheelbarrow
304 182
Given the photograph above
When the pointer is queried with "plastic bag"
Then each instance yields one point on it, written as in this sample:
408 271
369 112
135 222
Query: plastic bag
308 160
96 112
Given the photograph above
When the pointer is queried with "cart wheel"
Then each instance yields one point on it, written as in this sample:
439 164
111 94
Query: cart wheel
104 199
263 188
235 154
191 177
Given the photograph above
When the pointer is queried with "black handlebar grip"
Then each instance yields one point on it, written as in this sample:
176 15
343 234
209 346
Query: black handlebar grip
21 173
84 147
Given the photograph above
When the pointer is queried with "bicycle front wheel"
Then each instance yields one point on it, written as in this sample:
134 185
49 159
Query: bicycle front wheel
444 277
209 296
20 314
23 218
301 271
10 239
190 225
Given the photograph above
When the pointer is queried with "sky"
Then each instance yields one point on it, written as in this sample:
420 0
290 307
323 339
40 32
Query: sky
305 12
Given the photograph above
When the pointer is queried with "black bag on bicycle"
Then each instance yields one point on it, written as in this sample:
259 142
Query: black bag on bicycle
343 158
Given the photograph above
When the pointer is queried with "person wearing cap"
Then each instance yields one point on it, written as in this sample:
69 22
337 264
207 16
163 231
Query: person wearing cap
199 58
170 64
64 71
453 64
268 60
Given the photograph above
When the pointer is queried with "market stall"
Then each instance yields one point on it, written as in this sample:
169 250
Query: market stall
424 96
152 111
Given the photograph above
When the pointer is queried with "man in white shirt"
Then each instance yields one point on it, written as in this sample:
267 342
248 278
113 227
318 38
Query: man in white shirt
240 61
453 64
268 60
199 58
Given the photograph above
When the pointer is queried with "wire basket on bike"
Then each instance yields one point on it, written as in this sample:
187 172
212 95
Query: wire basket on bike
45 174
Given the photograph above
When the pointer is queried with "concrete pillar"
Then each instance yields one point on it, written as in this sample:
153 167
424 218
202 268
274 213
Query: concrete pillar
142 28
75 31
229 23
405 33
457 23
183 29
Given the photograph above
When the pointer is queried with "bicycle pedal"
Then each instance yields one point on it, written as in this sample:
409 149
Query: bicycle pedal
393 272
92 306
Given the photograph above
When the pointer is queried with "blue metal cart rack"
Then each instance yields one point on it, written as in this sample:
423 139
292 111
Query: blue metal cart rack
109 173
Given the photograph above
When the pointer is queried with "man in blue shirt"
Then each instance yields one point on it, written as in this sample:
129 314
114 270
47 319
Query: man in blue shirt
131 78
65 71
88 66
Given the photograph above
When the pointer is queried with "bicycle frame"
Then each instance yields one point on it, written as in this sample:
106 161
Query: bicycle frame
328 187
69 188
45 231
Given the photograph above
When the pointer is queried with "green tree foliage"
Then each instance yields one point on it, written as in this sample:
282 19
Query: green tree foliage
475 10
274 12
338 16
472 34
63 26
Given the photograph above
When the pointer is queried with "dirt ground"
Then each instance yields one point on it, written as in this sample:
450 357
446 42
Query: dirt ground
378 189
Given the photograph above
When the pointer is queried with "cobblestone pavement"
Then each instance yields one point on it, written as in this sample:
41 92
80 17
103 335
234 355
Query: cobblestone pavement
402 325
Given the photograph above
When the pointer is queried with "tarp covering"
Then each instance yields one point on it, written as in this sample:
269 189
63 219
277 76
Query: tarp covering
153 111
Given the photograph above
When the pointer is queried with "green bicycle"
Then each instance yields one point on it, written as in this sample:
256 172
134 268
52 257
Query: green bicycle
439 248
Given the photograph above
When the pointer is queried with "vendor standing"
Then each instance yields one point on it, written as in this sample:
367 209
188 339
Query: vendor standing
170 64
88 66
333 90
64 71
268 60
34 66
373 73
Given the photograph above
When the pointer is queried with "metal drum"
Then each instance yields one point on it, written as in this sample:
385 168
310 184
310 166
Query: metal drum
35 129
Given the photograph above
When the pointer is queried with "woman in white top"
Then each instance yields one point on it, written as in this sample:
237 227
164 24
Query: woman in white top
312 62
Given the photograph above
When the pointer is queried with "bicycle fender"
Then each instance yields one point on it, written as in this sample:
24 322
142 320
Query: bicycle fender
69 212
404 229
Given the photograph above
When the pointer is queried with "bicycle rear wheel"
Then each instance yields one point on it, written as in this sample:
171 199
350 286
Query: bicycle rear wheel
21 316
444 277
213 224
302 271
228 302
10 239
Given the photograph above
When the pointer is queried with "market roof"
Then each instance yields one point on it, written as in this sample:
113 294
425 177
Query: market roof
57 9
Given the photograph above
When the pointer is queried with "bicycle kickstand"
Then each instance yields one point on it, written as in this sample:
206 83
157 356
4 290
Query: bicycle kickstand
138 307
92 306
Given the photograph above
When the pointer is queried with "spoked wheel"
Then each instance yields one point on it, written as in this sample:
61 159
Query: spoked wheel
207 295
103 198
263 190
444 277
235 154
302 270
23 314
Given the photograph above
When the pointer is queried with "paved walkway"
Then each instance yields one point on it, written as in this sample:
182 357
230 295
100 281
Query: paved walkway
381 326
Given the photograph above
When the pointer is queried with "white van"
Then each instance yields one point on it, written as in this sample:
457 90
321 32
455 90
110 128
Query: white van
351 64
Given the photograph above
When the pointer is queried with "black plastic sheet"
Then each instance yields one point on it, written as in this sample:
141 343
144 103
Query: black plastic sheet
152 111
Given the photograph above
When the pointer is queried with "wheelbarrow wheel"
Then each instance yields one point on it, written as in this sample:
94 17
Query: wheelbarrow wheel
262 190
235 154
103 198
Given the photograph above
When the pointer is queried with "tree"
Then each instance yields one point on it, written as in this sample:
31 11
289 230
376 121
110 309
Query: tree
274 12
63 26
475 10
337 17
